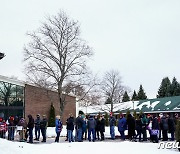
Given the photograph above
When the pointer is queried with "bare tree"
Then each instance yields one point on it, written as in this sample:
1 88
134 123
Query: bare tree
112 88
56 54
86 90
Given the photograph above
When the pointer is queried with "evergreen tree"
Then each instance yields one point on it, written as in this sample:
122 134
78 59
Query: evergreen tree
174 88
178 90
141 94
134 96
51 122
165 88
125 97
106 117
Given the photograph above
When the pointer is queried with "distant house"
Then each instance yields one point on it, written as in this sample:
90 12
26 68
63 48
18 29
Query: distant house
158 105
20 99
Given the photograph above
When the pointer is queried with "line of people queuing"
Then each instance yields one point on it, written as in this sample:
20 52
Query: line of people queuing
137 127
25 129
94 126
155 126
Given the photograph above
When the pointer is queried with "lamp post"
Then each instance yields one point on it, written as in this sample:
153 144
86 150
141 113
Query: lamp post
2 55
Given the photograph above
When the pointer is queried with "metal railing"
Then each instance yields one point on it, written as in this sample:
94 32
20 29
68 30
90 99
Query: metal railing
13 133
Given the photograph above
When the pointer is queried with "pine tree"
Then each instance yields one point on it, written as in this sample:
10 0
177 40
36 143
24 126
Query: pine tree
141 94
164 89
175 88
134 96
106 119
51 122
125 97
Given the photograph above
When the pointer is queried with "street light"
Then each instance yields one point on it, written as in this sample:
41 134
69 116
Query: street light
2 55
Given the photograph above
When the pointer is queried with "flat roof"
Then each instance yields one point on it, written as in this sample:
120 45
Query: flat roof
12 80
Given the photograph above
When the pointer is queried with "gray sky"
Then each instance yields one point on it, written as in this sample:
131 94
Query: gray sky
140 38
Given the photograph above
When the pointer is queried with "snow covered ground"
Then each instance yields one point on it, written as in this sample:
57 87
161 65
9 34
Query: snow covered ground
106 147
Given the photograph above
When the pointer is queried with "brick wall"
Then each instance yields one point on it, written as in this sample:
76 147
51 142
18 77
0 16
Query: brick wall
38 101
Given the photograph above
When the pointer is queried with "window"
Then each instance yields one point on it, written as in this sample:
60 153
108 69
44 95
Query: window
11 99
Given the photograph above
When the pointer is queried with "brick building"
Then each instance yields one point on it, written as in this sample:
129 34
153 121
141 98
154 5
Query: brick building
18 98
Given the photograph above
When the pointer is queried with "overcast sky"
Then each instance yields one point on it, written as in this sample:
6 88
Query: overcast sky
140 38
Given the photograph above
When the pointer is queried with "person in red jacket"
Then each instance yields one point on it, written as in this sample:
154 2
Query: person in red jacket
3 128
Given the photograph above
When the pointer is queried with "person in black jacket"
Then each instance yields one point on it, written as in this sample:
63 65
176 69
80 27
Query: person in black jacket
139 127
171 126
30 126
37 127
102 126
79 124
155 129
70 128
131 127
164 124
43 127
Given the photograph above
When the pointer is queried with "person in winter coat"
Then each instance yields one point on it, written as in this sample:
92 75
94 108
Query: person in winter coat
84 128
131 127
97 127
112 122
144 121
79 125
22 122
164 124
43 127
37 127
3 128
59 126
149 125
139 127
122 126
30 127
155 129
171 126
70 128
91 125
102 126
11 128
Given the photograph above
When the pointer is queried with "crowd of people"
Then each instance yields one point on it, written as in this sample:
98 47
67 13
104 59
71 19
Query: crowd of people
24 128
155 125
92 128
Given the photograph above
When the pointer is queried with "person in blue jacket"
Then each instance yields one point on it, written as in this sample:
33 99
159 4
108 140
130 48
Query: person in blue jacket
59 126
122 126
